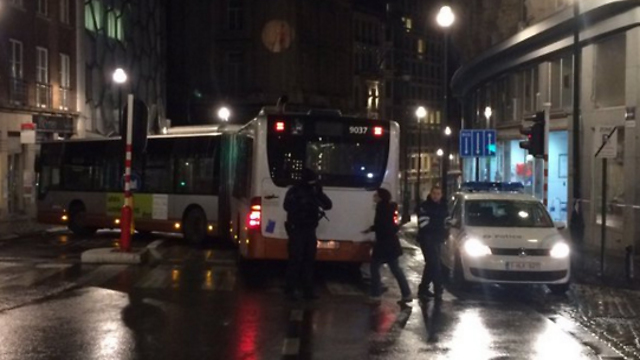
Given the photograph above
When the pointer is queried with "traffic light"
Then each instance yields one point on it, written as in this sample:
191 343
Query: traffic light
535 135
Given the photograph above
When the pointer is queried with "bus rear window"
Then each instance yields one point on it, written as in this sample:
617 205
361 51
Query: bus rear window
357 161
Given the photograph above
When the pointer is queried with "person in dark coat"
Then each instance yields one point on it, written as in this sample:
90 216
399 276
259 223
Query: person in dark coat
432 214
387 248
305 204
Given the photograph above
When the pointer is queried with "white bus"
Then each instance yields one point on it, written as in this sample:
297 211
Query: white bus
178 183
352 156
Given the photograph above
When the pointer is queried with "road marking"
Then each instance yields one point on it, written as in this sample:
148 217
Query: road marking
101 274
157 278
291 347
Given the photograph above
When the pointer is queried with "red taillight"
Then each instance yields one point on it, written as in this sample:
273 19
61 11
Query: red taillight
280 126
377 131
253 221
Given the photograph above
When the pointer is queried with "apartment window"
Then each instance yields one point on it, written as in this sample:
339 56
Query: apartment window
556 78
17 3
42 66
65 71
567 82
93 15
16 62
43 7
234 13
114 24
420 46
235 69
610 71
65 14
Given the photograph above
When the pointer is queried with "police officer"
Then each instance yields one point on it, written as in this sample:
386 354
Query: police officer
431 234
304 203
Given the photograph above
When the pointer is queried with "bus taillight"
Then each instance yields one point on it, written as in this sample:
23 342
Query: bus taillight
377 131
255 214
280 126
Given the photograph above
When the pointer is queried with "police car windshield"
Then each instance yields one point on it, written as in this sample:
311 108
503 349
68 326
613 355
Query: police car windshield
506 213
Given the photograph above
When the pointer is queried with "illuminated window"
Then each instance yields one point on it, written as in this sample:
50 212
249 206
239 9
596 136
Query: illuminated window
93 15
420 46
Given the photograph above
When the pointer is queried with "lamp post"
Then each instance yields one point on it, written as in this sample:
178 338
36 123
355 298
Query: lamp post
224 113
421 112
445 19
119 77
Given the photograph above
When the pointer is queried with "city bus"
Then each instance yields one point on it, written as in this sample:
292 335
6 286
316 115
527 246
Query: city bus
176 183
352 157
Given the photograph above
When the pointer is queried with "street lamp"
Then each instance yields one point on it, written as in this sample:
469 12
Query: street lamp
224 113
447 131
445 19
487 114
120 77
440 152
421 112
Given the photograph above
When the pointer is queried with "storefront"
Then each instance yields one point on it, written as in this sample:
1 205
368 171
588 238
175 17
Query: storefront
512 164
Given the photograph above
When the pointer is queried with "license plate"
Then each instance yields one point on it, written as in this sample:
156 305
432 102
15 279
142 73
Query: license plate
519 265
328 244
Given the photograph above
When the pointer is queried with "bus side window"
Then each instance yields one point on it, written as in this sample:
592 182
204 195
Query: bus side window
157 170
242 183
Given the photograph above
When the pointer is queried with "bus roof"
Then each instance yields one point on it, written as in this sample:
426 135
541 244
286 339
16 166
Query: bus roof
158 136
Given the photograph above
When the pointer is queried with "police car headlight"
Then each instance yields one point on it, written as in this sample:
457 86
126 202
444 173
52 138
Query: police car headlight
475 248
560 250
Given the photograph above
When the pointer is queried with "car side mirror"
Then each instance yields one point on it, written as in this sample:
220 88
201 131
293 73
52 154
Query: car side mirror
450 223
560 225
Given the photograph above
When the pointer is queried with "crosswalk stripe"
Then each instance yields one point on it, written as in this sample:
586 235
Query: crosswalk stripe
344 289
157 278
100 275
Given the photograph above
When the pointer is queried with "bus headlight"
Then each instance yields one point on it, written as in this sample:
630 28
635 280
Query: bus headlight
560 250
475 248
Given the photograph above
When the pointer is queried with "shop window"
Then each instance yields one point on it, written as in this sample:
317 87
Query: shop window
610 71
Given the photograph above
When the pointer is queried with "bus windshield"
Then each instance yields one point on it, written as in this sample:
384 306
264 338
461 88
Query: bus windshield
343 153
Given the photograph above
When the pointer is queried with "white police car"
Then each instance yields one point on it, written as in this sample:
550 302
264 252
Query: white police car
498 235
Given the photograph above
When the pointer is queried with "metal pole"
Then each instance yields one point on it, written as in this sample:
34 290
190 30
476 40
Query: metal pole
577 64
477 169
545 178
406 214
603 210
445 117
419 161
127 210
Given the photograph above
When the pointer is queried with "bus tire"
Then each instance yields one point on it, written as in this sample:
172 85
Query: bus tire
195 226
77 219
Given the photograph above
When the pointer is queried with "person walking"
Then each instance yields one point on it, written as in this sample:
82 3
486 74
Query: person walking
431 234
386 249
305 203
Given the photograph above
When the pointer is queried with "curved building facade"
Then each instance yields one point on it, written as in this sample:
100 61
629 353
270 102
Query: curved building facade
534 70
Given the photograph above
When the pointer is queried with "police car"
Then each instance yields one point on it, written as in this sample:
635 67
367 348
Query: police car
497 234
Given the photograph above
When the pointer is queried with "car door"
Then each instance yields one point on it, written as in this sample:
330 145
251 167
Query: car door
454 224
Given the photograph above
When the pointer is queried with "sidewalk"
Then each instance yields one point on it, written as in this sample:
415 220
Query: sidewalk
17 227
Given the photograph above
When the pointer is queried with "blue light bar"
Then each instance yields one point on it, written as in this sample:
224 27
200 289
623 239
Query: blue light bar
475 186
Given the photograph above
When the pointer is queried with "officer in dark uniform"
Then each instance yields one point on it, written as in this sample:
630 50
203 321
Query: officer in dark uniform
431 234
304 203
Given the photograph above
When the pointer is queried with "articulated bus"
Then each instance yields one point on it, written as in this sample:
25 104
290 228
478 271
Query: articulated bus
352 157
177 183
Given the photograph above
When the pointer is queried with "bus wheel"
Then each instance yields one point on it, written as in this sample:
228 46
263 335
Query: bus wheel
195 226
77 220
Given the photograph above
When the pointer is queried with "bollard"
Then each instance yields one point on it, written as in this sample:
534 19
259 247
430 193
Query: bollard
629 262
125 229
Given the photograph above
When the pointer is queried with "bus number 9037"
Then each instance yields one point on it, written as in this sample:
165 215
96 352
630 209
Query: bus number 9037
361 130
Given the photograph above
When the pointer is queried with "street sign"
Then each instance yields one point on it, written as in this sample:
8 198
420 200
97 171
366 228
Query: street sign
478 143
605 142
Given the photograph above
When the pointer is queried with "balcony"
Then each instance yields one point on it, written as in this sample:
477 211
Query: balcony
43 95
18 91
65 99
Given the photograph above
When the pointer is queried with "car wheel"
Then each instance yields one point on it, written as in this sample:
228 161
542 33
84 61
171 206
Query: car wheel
559 289
77 221
195 226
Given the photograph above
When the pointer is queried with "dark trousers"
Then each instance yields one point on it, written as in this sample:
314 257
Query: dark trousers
396 270
302 248
432 268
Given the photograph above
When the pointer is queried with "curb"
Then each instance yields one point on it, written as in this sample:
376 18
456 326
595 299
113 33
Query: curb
114 256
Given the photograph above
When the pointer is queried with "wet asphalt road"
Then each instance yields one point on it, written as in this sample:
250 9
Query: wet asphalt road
198 304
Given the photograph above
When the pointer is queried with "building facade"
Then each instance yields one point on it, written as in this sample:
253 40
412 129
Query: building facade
534 70
127 34
37 87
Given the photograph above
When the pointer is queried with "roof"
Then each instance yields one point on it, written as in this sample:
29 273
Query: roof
498 196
